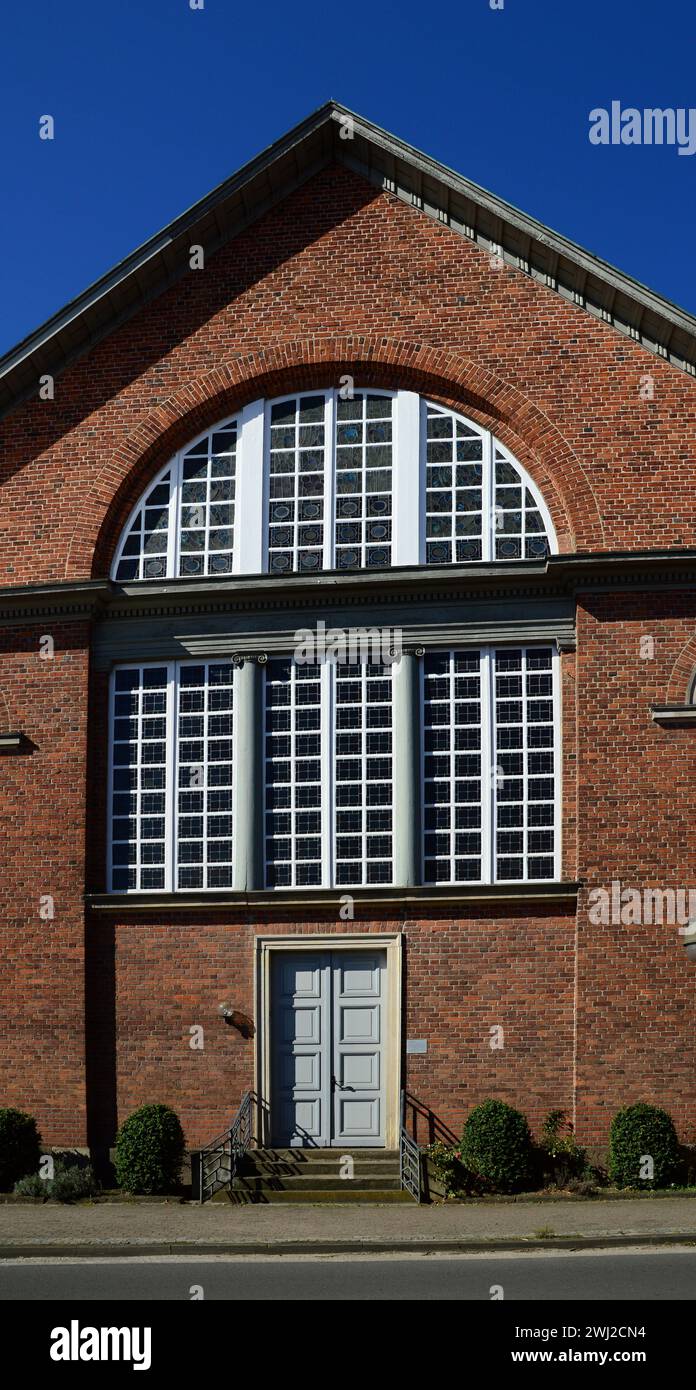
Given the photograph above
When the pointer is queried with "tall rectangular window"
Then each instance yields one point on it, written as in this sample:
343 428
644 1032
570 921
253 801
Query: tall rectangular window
294 790
364 790
204 775
141 709
453 783
329 789
171 776
525 762
490 765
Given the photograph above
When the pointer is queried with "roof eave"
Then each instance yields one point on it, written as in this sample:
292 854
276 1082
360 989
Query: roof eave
388 163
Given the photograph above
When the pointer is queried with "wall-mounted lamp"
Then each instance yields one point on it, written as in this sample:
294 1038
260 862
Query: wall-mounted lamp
238 1020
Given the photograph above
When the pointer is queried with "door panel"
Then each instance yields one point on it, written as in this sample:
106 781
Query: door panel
301 1080
358 1109
327 1041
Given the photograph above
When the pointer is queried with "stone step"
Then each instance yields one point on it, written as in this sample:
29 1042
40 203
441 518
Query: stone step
321 1155
296 1182
312 1196
328 1167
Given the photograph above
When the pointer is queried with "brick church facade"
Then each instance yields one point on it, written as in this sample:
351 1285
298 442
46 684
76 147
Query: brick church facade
348 388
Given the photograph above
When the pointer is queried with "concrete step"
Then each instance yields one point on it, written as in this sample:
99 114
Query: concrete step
322 1155
311 1195
325 1167
295 1182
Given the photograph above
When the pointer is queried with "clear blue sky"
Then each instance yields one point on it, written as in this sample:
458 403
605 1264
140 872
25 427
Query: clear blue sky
155 103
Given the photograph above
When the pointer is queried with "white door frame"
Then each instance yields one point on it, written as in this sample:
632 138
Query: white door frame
304 942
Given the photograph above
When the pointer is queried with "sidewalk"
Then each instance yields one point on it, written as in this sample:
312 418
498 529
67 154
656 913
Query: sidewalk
171 1228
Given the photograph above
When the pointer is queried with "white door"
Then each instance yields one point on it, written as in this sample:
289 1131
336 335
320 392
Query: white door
327 1041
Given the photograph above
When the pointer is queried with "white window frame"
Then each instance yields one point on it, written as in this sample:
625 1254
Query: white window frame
176 464
250 555
171 810
488 767
328 809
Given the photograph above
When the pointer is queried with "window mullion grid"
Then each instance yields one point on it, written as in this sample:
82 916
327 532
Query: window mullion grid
293 772
489 517
422 494
556 696
363 771
111 783
206 511
452 765
296 491
489 766
363 484
266 484
525 770
204 770
171 795
330 485
421 779
139 764
327 726
174 541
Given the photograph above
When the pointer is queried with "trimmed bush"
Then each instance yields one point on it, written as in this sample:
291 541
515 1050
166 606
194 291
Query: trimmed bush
497 1146
150 1150
20 1147
638 1133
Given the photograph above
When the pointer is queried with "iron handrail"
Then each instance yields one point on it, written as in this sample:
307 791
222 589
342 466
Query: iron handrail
410 1162
219 1161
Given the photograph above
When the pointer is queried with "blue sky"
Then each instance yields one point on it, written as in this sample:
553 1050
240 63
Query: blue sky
154 103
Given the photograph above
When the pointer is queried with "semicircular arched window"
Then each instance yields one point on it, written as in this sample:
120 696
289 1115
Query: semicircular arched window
331 480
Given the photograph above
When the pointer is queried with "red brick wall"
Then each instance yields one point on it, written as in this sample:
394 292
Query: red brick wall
636 991
342 278
461 978
346 277
42 839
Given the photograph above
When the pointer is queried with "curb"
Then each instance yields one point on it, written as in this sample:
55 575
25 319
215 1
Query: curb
103 1249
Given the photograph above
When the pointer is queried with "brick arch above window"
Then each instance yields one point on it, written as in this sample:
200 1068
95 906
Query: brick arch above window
303 364
681 689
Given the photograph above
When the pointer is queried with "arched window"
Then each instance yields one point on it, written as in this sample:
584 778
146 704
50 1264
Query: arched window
184 523
335 480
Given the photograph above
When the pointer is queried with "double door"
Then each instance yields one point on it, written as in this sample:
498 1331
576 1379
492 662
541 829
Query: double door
328 1049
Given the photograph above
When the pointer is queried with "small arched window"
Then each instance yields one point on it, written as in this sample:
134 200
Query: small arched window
331 480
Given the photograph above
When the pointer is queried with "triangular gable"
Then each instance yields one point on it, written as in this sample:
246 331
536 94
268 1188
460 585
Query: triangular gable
335 134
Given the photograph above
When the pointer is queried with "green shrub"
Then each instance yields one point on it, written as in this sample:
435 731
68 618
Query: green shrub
641 1132
20 1147
150 1150
32 1186
70 1182
446 1166
496 1145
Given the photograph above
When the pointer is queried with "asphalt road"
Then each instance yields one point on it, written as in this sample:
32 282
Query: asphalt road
603 1275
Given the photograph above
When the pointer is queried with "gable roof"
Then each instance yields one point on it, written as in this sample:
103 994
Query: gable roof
389 164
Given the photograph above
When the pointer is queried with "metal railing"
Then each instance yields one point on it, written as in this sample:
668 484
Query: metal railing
410 1161
219 1161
